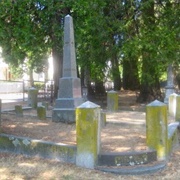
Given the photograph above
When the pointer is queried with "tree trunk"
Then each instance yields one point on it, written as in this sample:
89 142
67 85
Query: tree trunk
31 78
116 73
150 86
130 74
58 64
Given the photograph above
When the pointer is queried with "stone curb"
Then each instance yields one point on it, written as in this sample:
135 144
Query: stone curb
34 147
138 170
127 158
67 153
9 110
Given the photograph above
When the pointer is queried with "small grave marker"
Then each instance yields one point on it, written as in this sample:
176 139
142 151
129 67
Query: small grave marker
19 110
32 97
41 112
112 101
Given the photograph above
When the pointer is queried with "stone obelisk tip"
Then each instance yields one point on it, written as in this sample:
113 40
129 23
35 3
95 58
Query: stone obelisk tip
69 56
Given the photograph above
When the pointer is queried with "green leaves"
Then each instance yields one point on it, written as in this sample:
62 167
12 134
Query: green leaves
104 29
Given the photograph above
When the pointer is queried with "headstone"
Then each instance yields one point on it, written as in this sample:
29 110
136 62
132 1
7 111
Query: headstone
88 128
112 101
41 112
169 89
19 110
32 97
69 94
157 128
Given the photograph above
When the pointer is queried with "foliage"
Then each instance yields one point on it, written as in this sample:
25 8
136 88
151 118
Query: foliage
142 34
39 85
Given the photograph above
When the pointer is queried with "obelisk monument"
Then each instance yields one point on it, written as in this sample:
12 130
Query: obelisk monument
69 94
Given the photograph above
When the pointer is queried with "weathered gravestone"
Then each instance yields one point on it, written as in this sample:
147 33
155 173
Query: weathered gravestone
32 97
41 112
112 101
19 110
69 95
169 89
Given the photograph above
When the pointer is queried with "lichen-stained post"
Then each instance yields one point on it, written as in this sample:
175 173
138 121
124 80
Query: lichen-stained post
112 101
157 129
177 114
172 105
32 97
87 134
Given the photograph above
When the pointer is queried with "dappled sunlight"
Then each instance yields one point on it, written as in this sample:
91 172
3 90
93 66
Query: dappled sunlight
48 174
3 170
32 125
125 138
26 164
124 131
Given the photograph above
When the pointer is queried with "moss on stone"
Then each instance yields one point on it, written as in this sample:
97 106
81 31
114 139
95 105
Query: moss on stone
156 128
41 112
32 97
19 110
87 122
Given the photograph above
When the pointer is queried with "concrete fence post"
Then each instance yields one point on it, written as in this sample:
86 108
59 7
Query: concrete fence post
88 134
157 129
32 97
177 114
112 101
18 110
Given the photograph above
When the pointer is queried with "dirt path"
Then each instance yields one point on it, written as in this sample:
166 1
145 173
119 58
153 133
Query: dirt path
125 131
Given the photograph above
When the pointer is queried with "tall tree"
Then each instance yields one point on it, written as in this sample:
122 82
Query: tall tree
30 30
130 46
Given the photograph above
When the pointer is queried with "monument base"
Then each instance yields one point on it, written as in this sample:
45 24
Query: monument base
68 103
64 115
64 110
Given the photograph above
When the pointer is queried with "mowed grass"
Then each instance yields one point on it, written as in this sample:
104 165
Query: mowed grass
19 167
